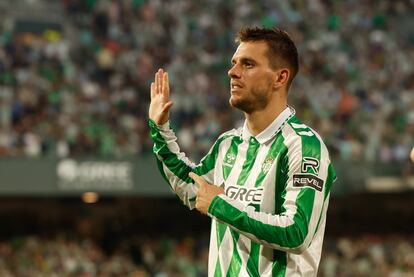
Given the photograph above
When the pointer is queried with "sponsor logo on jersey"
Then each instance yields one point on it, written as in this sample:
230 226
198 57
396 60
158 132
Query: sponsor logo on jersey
250 195
310 163
229 160
307 180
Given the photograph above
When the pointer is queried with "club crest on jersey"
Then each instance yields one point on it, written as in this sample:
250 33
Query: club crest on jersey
310 163
267 164
230 159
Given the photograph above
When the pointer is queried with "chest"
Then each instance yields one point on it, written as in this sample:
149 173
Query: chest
249 172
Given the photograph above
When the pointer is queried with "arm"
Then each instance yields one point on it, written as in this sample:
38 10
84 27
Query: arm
291 230
173 164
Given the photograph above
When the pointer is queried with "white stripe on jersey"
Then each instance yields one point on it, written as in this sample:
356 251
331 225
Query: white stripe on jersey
226 247
243 248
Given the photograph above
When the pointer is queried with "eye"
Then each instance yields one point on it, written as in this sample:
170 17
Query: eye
248 64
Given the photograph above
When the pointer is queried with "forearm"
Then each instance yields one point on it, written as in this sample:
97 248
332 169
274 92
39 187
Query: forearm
287 232
173 164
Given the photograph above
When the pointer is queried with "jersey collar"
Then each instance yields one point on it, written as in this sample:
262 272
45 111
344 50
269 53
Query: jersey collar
270 130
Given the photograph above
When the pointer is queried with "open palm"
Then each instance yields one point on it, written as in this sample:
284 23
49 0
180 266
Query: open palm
160 98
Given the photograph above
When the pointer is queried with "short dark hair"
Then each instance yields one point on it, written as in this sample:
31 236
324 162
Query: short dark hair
282 50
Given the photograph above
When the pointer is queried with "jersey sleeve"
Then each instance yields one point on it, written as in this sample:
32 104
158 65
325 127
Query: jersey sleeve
307 175
175 166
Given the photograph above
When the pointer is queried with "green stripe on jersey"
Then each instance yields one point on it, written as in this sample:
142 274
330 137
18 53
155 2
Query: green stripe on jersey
253 262
217 270
220 231
270 159
209 161
161 169
329 181
279 264
235 263
249 161
230 157
280 257
311 146
281 176
178 167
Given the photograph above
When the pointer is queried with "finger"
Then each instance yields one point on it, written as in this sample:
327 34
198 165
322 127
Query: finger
153 90
162 83
156 82
199 180
166 86
159 77
167 107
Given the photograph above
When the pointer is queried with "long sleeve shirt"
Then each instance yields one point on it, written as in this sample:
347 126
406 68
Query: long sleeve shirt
271 219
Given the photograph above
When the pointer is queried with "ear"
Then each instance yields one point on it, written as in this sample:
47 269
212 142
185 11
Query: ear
282 77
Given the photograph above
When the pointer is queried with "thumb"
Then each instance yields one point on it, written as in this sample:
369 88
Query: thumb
167 106
199 180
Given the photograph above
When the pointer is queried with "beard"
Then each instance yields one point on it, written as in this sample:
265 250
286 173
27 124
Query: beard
254 100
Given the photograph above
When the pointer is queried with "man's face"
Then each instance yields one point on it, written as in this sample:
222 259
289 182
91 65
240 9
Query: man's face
251 77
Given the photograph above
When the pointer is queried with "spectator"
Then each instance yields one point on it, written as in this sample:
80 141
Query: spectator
85 92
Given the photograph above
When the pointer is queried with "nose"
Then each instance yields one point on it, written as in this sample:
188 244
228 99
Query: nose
233 72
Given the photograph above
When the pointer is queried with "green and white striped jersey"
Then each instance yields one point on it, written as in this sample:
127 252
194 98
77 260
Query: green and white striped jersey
271 219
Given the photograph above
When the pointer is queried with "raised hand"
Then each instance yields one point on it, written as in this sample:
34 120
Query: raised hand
160 104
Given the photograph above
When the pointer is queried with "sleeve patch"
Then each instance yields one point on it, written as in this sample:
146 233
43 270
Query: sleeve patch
307 180
310 163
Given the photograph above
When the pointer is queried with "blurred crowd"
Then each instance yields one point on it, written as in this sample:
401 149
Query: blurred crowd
84 90
368 255
63 256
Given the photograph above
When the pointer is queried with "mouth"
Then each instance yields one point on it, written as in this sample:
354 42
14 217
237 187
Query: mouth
235 86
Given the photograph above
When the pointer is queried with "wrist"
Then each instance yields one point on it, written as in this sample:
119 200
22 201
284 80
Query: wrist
213 203
161 126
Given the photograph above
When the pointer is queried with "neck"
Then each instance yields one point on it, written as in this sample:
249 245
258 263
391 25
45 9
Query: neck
257 121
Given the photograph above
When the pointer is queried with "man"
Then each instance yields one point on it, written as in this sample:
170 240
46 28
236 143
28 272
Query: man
266 185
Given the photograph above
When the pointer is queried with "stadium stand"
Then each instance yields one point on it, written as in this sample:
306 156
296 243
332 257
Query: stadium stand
83 89
74 83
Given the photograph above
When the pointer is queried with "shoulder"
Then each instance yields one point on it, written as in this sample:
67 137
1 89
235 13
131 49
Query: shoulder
294 131
227 136
230 134
302 140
